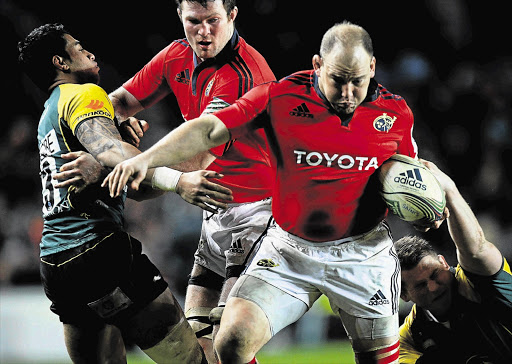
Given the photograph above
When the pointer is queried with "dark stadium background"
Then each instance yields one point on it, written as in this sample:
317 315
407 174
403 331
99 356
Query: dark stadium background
451 60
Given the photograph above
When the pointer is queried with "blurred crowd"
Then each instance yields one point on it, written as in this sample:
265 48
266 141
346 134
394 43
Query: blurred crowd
462 106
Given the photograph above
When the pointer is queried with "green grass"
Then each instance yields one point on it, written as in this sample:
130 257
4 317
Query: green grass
332 353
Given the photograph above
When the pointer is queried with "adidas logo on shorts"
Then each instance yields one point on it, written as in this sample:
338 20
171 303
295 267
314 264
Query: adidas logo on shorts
236 247
378 299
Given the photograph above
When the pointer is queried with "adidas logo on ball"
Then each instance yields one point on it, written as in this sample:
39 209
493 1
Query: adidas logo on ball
411 177
410 190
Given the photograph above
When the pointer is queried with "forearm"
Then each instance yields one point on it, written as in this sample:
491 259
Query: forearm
186 141
474 252
125 104
463 225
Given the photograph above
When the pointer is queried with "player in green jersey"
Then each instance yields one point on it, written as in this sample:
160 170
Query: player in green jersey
99 283
461 315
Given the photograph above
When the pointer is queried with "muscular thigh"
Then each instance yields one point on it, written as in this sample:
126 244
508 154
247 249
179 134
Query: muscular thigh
280 308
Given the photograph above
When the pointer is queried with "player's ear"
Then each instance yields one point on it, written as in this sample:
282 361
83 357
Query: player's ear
443 261
59 63
403 294
179 14
317 64
372 67
233 14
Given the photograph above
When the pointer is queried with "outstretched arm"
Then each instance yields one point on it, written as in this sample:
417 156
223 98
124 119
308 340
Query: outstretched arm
474 252
181 144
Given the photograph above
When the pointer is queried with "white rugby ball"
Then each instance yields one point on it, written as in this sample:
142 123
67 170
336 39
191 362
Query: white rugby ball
410 190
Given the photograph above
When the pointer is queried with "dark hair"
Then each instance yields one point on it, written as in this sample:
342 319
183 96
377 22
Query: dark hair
412 249
35 53
229 5
348 34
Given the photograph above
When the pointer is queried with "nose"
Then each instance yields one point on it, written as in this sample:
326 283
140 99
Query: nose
91 56
204 29
347 90
432 285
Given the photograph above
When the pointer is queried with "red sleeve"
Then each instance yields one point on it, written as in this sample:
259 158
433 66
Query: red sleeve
149 84
238 116
408 145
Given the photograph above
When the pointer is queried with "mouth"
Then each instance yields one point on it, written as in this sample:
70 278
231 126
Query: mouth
204 44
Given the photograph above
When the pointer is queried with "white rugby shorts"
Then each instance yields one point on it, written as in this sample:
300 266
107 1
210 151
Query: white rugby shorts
360 276
229 237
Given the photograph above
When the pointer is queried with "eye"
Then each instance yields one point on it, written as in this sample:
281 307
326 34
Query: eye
213 20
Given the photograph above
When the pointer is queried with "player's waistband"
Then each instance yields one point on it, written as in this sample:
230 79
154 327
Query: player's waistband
383 225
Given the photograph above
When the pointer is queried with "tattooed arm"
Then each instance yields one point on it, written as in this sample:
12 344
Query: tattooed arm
102 140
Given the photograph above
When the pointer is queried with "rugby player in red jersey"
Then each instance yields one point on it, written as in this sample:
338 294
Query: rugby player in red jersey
329 129
208 71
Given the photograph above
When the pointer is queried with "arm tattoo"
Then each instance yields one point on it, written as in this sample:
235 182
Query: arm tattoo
99 135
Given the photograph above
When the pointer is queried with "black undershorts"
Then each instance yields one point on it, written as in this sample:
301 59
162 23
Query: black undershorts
107 280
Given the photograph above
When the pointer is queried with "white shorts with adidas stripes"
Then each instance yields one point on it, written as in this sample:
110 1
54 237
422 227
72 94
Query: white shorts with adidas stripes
360 275
228 238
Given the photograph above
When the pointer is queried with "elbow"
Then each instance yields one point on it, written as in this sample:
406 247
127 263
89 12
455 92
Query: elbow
217 133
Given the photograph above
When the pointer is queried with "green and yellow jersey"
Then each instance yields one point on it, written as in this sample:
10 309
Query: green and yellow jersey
479 328
73 218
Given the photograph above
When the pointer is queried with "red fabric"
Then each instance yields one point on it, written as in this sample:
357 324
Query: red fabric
244 162
321 167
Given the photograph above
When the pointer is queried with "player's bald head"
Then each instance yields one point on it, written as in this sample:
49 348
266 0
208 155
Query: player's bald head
346 36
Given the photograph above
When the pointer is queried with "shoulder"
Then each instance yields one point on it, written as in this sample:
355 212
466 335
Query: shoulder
177 49
477 288
302 80
92 95
248 59
408 352
393 101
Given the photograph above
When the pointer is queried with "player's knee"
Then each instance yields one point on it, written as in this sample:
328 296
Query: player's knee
236 343
199 320
382 351
229 348
178 346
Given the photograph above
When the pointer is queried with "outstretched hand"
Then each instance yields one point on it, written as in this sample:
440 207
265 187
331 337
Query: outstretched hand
197 189
117 179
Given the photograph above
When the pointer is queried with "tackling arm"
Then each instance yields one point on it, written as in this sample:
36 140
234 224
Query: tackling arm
474 252
181 144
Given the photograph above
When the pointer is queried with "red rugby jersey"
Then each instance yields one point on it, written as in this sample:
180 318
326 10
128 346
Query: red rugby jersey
322 162
208 86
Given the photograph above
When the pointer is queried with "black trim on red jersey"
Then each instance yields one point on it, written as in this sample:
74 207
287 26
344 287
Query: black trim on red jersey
225 55
387 95
301 78
245 77
183 42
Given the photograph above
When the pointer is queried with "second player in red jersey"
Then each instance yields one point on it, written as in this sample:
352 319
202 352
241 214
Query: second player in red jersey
209 85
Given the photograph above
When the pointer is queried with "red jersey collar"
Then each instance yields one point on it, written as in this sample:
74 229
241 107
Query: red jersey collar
225 55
